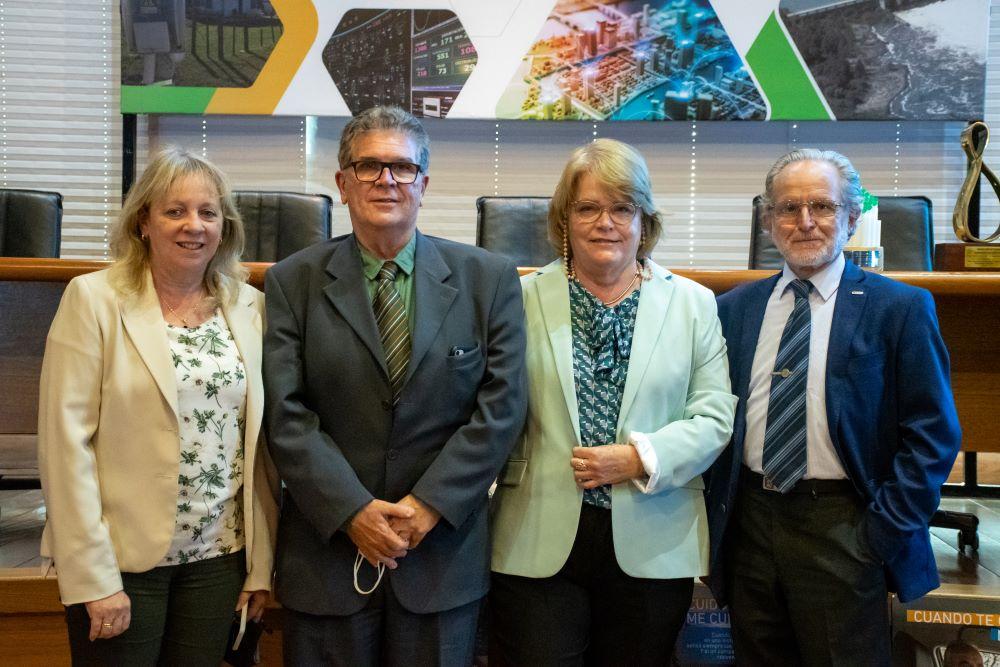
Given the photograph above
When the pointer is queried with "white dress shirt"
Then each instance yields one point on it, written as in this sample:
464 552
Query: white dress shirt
822 461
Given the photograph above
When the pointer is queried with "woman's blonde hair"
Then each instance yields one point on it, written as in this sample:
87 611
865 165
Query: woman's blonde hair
619 168
224 272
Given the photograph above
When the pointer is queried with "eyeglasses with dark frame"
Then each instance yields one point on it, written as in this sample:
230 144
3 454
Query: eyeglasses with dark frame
819 209
369 171
621 212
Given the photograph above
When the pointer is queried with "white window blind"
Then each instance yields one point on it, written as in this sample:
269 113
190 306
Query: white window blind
990 205
705 175
60 128
256 152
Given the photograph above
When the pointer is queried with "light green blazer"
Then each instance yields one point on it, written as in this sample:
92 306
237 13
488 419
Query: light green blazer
677 393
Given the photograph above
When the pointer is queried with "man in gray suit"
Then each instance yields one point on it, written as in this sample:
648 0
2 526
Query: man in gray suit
395 390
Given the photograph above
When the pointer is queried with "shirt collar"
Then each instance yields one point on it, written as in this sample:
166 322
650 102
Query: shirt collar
825 282
404 259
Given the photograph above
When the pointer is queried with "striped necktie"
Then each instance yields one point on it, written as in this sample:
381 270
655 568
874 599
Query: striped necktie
390 316
784 457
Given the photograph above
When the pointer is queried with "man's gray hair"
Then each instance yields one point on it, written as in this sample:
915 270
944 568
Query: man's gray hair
849 177
384 118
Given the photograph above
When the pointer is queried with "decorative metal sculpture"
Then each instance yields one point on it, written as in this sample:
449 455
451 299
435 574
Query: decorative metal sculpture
975 138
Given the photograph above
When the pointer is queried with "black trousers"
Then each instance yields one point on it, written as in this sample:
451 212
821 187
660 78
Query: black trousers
383 633
805 588
590 612
180 616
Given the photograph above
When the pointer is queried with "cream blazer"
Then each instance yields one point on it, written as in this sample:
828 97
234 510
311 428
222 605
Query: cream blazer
676 393
108 447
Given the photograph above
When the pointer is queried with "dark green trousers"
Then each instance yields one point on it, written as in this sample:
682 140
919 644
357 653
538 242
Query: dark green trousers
180 616
805 588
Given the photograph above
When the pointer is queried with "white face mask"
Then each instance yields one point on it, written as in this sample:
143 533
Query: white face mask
358 560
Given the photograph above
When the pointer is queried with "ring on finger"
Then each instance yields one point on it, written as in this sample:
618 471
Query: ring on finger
107 625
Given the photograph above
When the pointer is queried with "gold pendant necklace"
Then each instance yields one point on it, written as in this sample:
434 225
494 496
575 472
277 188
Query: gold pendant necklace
173 312
624 293
177 315
628 288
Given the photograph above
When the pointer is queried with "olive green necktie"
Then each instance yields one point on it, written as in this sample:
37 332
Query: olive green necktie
390 316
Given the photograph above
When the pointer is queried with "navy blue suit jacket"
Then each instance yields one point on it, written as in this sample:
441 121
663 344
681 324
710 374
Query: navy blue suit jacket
890 410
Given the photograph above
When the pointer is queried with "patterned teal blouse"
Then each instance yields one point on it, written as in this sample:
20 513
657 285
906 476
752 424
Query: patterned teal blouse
602 344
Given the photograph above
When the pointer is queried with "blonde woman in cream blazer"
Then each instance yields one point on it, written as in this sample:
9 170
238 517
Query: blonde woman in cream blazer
586 577
110 432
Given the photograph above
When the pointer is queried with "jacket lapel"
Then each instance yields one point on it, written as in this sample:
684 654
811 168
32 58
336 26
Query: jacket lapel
348 294
432 298
754 306
851 297
245 324
144 323
553 297
753 318
654 300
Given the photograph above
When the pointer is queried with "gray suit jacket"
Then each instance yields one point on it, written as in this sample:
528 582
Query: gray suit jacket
338 443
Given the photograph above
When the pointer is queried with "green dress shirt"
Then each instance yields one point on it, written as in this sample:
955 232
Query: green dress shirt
404 277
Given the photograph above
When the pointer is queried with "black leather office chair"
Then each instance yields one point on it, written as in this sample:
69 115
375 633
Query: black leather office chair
30 226
30 223
515 227
281 223
907 236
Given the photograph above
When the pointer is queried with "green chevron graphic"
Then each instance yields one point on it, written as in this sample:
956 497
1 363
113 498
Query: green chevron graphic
782 78
164 99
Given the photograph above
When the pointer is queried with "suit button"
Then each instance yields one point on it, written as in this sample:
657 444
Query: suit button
723 508
392 455
386 405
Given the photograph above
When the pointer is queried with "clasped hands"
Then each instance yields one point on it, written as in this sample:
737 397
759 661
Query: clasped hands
384 531
605 464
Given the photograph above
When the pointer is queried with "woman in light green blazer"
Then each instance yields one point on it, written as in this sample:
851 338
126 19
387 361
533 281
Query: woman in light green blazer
599 524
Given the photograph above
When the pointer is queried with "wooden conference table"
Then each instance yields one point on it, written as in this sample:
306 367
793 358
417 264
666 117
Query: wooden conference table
968 306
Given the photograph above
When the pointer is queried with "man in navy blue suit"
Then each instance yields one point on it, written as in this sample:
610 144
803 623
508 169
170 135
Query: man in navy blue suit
844 433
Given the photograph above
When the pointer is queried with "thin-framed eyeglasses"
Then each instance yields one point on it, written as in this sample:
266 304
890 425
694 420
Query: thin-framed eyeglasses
621 212
369 171
819 209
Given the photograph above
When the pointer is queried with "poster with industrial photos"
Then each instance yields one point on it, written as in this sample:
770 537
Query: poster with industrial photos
413 58
196 43
667 60
589 60
894 59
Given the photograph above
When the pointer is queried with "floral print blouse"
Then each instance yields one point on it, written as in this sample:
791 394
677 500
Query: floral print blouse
602 345
211 401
